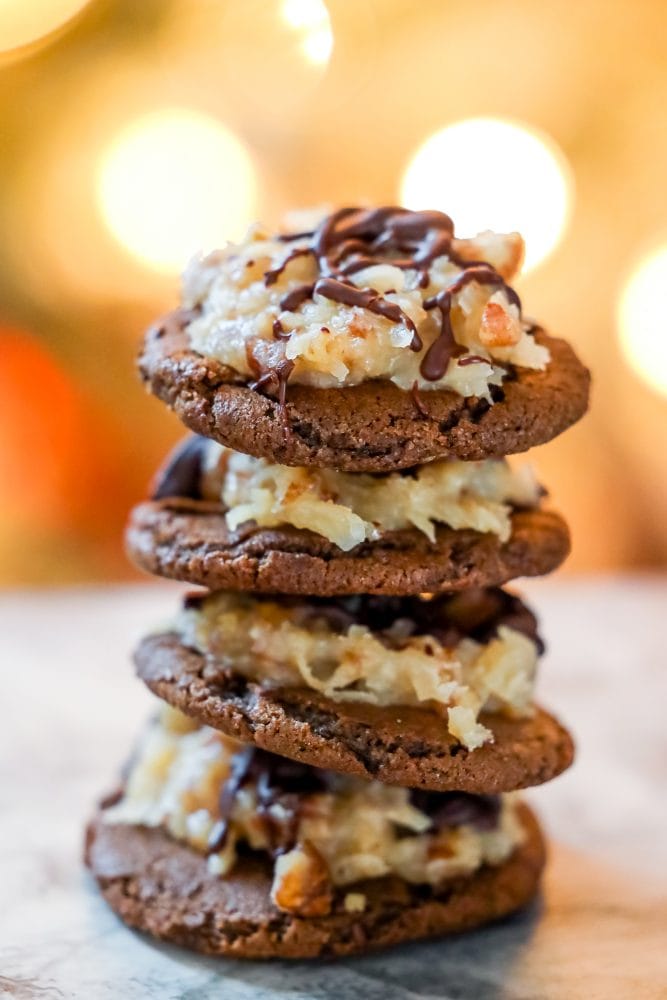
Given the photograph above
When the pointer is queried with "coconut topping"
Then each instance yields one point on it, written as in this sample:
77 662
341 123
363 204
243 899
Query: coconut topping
323 831
459 655
368 293
350 508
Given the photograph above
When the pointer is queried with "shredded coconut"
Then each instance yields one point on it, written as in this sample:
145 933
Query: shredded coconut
357 830
349 508
259 639
332 344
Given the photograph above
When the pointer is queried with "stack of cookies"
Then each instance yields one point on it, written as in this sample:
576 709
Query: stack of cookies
347 707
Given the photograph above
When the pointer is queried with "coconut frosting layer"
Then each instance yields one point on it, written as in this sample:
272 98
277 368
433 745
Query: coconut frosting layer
323 831
459 656
365 294
350 508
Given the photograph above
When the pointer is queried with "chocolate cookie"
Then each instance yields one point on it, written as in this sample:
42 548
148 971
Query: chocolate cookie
188 540
399 745
370 427
164 888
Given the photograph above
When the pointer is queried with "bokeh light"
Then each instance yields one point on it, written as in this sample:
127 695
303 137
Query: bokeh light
23 22
642 323
174 182
488 173
42 432
310 18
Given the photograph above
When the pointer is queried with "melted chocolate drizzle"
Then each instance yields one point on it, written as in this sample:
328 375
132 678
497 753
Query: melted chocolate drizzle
181 473
349 295
418 401
473 359
239 774
435 361
287 783
353 239
279 332
278 377
476 613
270 277
278 781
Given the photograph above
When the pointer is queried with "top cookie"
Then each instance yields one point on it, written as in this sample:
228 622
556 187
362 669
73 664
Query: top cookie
375 341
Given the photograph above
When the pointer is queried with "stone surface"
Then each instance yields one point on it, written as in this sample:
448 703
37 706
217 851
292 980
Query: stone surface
72 707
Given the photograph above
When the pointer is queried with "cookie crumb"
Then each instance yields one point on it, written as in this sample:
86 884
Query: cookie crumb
354 902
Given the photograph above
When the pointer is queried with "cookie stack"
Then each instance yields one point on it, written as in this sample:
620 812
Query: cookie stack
348 705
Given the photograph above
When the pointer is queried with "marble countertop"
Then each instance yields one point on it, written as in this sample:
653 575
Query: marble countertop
71 708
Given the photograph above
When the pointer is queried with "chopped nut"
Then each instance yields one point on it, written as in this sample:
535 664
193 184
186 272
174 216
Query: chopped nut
295 488
354 902
441 846
301 882
503 250
498 328
359 326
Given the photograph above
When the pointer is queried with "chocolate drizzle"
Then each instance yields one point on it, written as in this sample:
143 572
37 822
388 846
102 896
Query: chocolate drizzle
239 774
292 300
450 809
352 239
418 401
473 359
270 277
283 786
476 613
181 474
279 332
444 347
278 782
276 376
349 295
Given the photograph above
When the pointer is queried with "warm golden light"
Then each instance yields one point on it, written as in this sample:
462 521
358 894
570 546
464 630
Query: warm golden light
25 21
641 320
175 182
310 18
488 173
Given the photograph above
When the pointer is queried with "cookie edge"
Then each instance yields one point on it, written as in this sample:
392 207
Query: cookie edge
275 720
488 895
386 430
400 563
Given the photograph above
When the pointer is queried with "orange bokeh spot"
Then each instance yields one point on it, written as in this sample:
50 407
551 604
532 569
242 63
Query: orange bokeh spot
44 436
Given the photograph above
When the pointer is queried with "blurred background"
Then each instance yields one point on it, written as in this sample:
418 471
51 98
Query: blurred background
134 134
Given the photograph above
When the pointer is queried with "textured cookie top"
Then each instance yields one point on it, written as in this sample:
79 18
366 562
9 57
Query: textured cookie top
379 293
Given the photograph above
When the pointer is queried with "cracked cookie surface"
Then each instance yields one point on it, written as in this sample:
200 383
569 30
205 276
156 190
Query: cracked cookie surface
399 745
189 540
371 427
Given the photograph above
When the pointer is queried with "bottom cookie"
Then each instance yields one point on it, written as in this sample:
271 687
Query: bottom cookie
165 888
